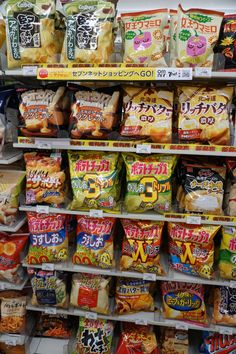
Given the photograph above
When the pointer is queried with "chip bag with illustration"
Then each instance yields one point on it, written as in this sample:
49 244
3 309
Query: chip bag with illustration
94 242
224 311
141 246
203 114
53 326
216 343
95 180
174 341
143 37
230 199
227 256
48 238
149 184
13 312
191 248
147 114
184 301
172 44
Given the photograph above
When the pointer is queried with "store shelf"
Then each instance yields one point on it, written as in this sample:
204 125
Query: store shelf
13 339
4 285
16 226
9 155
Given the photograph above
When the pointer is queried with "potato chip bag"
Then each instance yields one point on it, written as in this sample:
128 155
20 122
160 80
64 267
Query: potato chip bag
141 246
13 312
230 200
174 341
94 242
203 114
224 311
147 114
143 37
191 248
133 295
95 180
227 256
216 343
53 326
48 238
148 182
196 35
172 44
183 301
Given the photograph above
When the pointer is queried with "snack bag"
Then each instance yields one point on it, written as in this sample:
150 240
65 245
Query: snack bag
231 200
90 292
48 238
174 341
227 256
203 114
45 180
172 44
148 182
137 339
94 242
53 326
184 301
141 246
94 336
49 288
147 114
197 33
216 343
143 37
95 180
191 248
13 312
30 32
224 311
133 295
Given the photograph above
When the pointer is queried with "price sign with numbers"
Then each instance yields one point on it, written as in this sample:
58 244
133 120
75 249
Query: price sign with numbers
174 74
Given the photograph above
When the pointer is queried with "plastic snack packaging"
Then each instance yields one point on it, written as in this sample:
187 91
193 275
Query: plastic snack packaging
53 326
94 336
95 242
149 182
137 339
141 246
216 343
90 292
172 44
13 312
203 114
30 32
196 35
191 248
230 201
224 312
45 180
174 341
95 180
143 37
227 256
133 295
49 288
48 238
184 301
147 114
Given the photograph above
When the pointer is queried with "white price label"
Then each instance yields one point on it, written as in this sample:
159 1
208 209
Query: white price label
202 72
91 315
143 149
41 145
11 341
149 276
194 220
225 330
181 326
42 209
48 266
174 74
141 322
232 284
2 286
93 213
50 311
29 70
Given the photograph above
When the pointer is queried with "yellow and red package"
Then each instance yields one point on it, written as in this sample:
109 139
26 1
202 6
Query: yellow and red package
217 343
137 339
224 311
95 242
191 248
183 301
10 260
48 238
141 246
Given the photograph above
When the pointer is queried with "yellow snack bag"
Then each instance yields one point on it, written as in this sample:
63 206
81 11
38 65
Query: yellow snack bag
227 261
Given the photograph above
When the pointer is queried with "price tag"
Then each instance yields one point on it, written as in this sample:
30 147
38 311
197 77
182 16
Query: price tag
202 72
143 149
182 326
174 74
48 266
194 220
93 213
141 322
50 311
11 341
225 330
41 145
42 209
29 70
91 315
2 286
149 276
232 284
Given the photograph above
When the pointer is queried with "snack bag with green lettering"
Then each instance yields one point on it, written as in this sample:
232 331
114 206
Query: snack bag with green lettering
227 261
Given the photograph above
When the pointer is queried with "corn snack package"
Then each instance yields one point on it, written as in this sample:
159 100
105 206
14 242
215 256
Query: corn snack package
196 35
149 182
174 341
191 248
90 292
141 246
231 200
143 37
45 179
203 114
147 114
216 343
48 238
172 43
224 311
95 180
13 312
53 326
227 256
95 242
184 301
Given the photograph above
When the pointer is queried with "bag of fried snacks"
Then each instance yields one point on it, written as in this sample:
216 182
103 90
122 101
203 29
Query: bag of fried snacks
13 312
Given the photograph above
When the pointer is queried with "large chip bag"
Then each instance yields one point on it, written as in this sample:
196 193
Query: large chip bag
53 326
227 256
141 246
230 201
174 341
149 184
183 301
197 33
48 238
216 343
191 248
95 180
203 114
147 113
95 242
224 311
143 37
172 44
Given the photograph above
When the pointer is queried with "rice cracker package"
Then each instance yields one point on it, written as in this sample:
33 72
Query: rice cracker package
143 37
147 114
203 114
184 301
216 343
95 180
191 248
227 257
196 35
149 184
224 311
141 246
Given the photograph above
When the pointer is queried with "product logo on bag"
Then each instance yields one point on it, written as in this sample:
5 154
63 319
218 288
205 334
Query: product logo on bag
220 343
